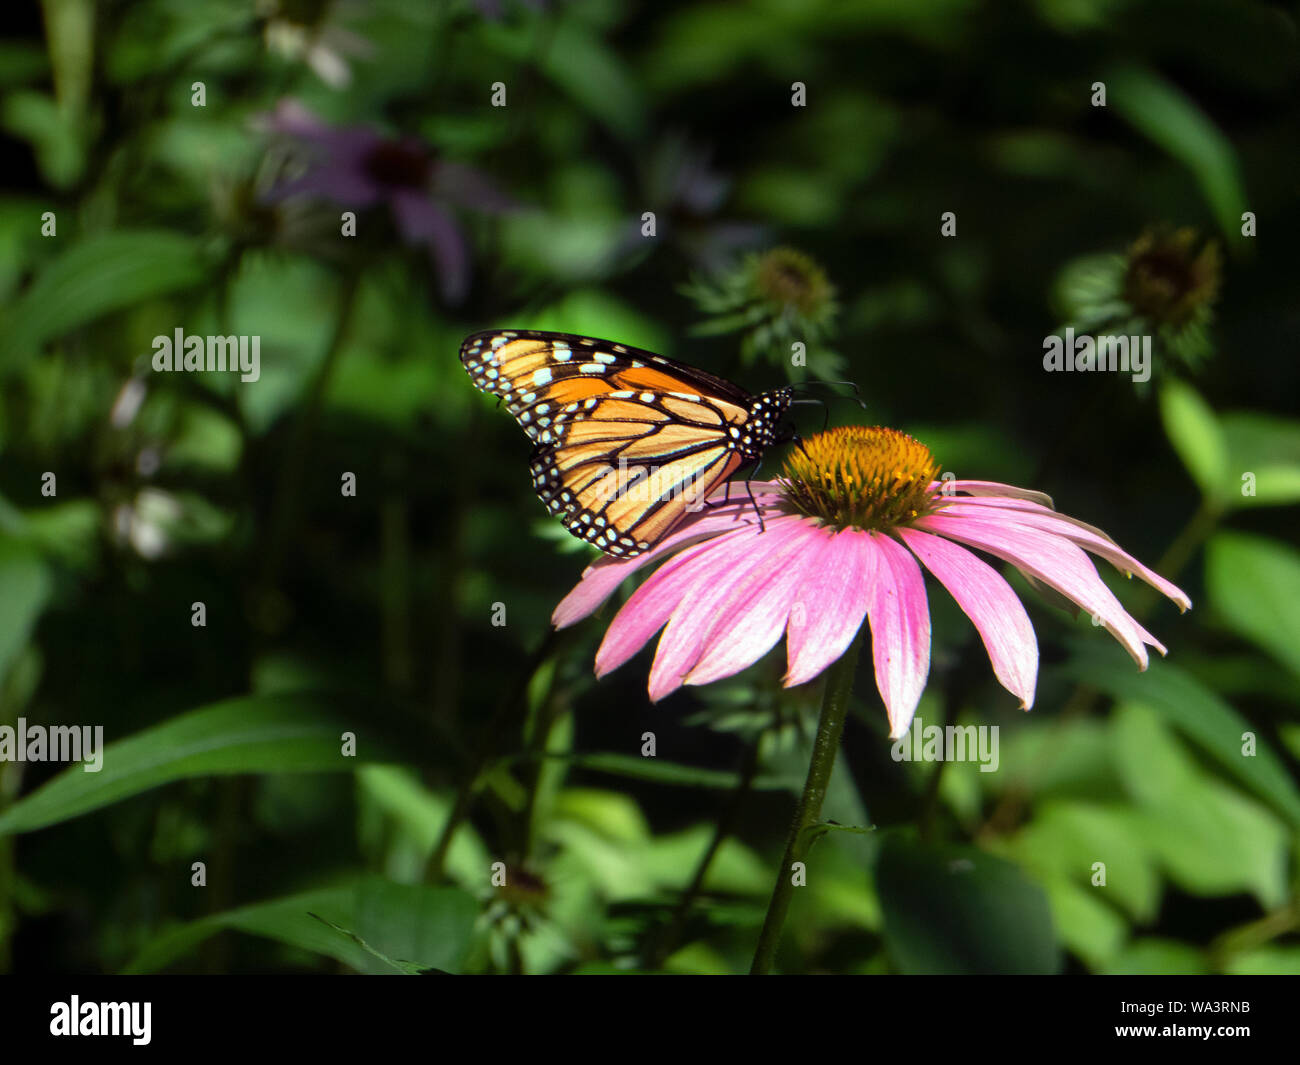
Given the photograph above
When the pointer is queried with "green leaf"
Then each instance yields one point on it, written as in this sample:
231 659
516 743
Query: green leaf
1267 448
1197 712
663 772
101 274
960 910
22 62
1254 584
836 893
1052 757
407 967
735 869
1194 432
1210 838
1088 927
822 827
596 77
411 927
251 734
610 814
1290 734
1159 957
26 584
403 821
57 140
582 64
1065 838
1266 961
1171 120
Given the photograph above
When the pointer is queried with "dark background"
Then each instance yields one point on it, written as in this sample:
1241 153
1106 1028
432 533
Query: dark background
372 614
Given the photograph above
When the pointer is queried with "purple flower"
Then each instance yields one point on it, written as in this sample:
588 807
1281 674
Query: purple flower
357 167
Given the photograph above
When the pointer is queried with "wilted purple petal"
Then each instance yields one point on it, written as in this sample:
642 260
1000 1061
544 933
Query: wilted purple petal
347 188
421 221
343 146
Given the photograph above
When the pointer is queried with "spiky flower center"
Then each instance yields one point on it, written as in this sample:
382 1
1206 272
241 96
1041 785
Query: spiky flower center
788 278
863 477
1172 275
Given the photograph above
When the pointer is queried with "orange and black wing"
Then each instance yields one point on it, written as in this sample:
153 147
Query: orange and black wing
626 441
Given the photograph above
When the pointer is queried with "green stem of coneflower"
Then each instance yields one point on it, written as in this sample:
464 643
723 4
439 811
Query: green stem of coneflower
835 708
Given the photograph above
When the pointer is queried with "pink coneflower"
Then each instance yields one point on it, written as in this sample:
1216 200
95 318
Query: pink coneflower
845 527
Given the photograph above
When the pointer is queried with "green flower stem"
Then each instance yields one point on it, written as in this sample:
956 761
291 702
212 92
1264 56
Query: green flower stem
835 707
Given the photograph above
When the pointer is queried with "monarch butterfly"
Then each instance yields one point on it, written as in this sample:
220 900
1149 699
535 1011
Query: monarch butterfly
626 441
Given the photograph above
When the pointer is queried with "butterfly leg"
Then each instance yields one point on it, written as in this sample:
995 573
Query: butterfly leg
753 471
726 498
762 528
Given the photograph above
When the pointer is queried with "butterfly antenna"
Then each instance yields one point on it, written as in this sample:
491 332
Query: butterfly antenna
857 392
826 411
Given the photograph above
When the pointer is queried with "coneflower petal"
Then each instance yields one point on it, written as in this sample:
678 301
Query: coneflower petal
602 577
993 488
991 604
1055 561
751 621
648 609
900 631
708 580
831 603
1086 536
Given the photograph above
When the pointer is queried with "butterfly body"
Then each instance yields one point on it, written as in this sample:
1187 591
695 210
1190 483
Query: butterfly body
626 442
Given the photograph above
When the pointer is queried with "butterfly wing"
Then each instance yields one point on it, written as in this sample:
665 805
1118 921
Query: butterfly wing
626 441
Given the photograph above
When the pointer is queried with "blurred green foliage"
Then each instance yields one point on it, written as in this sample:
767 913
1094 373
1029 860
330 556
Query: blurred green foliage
370 616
